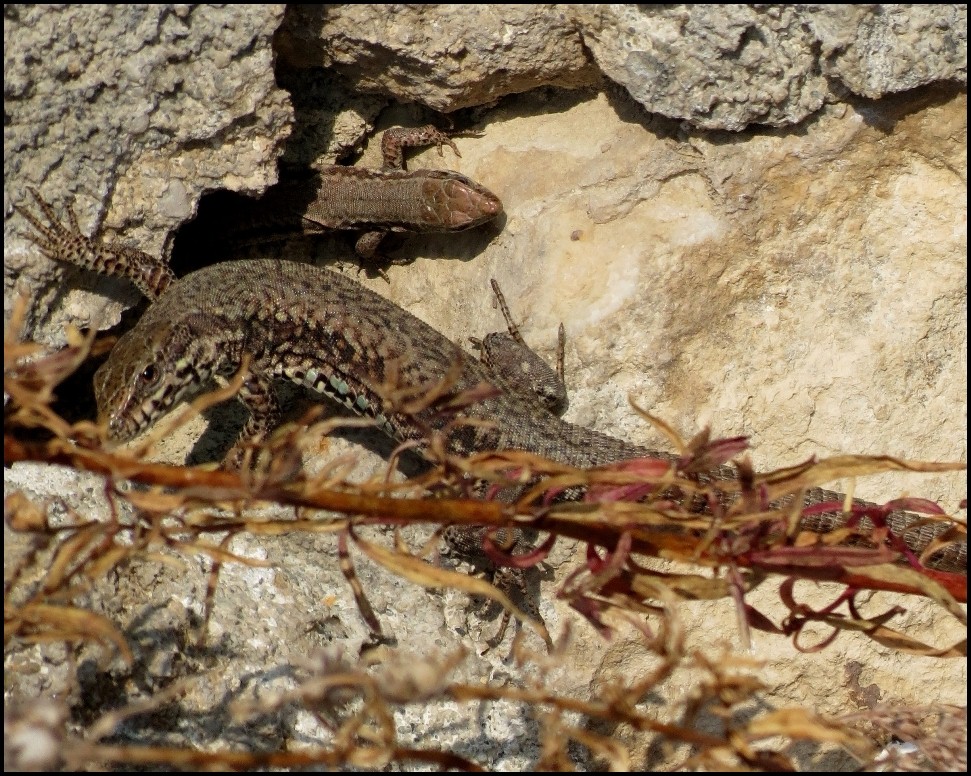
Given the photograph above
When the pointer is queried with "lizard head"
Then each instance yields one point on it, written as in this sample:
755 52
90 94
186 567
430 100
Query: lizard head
457 203
149 371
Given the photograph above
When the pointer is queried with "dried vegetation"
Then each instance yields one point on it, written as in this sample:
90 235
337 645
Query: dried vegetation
624 521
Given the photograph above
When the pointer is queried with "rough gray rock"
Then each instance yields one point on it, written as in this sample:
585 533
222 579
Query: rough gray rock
714 66
717 67
433 55
132 112
880 49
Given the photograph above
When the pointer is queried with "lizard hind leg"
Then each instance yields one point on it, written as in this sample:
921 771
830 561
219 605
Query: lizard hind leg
519 366
518 584
396 139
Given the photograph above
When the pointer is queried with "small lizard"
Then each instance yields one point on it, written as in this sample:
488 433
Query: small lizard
336 337
371 201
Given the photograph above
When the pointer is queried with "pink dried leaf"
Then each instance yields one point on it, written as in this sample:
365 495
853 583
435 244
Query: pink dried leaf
704 455
922 505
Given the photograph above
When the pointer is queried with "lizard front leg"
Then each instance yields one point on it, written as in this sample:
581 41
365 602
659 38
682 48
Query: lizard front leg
260 400
519 366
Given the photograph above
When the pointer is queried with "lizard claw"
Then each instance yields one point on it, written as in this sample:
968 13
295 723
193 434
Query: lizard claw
55 240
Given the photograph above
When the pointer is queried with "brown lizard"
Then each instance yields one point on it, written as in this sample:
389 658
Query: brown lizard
371 201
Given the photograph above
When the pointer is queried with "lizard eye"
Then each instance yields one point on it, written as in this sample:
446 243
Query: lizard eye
149 375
